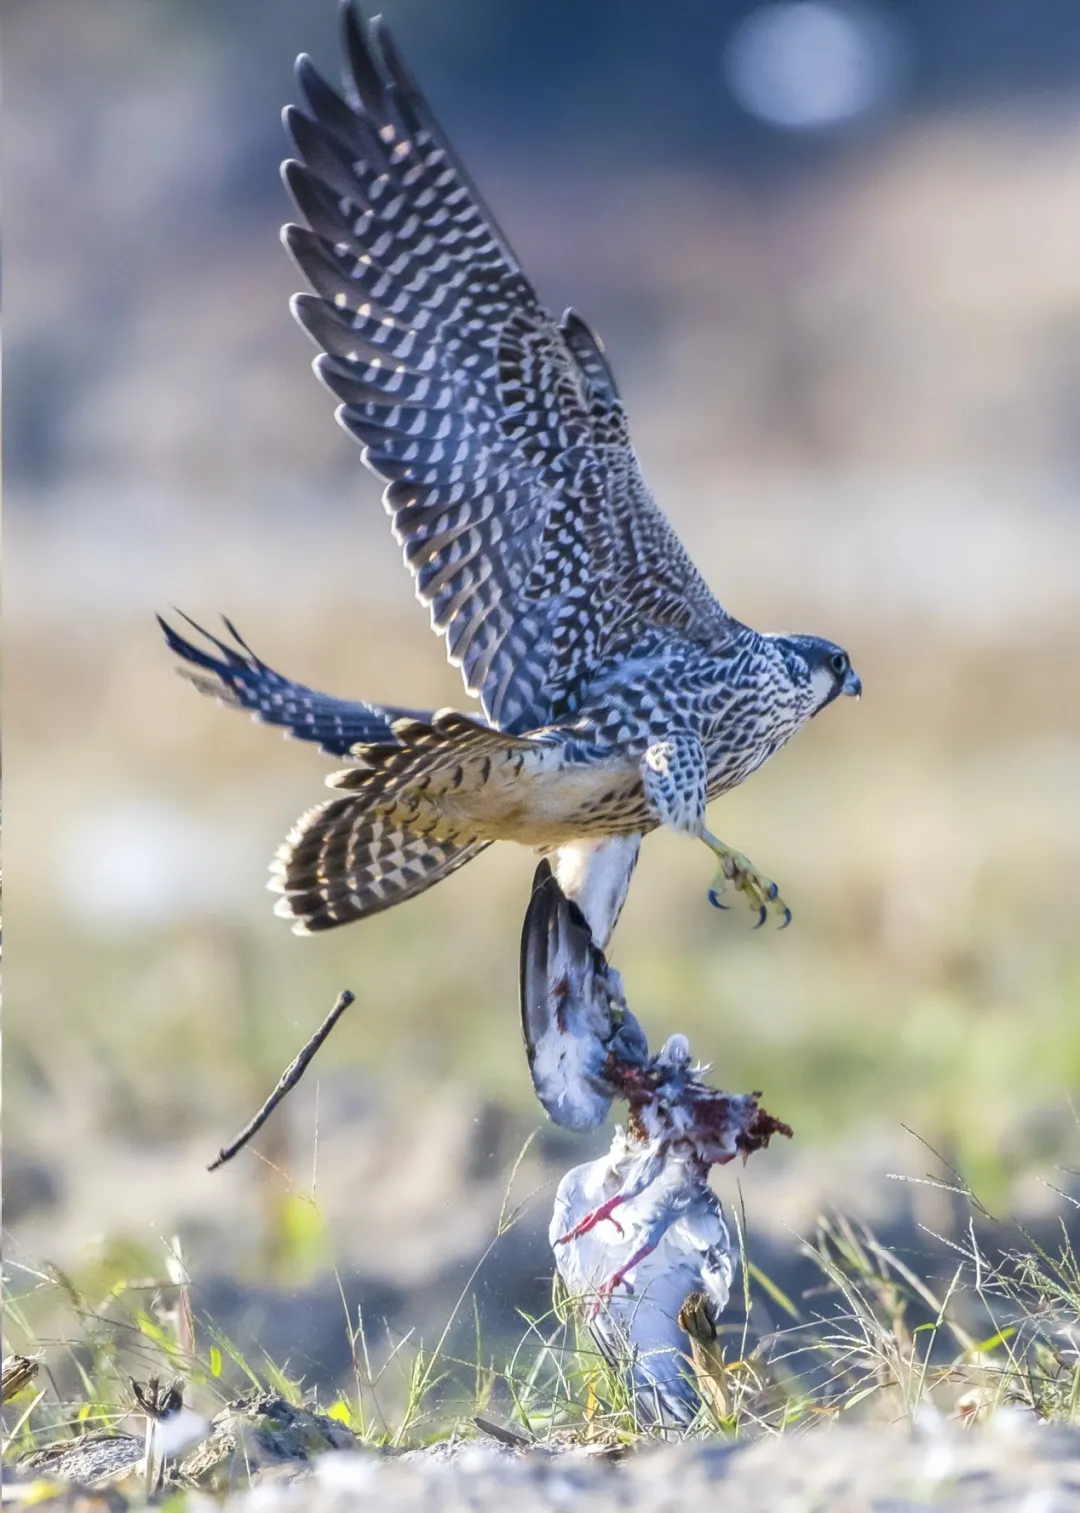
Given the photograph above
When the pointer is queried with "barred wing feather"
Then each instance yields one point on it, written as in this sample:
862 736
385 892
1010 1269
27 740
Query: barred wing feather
512 485
236 676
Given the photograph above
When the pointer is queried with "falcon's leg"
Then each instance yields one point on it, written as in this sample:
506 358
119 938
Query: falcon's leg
595 875
676 779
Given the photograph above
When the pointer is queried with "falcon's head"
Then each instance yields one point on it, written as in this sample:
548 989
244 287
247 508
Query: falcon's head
821 667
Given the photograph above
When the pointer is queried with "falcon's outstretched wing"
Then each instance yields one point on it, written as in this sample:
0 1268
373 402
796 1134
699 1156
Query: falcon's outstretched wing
512 483
238 677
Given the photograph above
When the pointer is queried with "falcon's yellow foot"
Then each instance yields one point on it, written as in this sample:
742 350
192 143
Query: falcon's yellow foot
761 893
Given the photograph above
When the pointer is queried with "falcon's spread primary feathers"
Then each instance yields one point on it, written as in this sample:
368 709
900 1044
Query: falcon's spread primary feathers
616 694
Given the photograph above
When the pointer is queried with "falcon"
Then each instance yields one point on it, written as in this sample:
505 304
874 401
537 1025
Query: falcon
615 693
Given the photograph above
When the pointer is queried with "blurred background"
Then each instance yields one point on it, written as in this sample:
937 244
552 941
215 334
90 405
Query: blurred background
833 248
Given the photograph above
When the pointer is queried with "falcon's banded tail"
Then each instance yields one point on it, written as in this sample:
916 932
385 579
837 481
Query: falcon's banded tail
404 824
342 863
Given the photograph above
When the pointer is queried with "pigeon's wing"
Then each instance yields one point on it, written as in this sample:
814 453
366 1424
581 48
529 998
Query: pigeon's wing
575 1028
236 676
702 1233
512 485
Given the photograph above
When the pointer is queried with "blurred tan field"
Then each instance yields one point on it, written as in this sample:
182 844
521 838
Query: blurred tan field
856 391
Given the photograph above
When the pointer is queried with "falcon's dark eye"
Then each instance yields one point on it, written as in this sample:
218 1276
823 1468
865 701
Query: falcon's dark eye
839 662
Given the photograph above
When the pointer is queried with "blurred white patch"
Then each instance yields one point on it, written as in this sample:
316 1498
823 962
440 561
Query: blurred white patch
813 64
178 1431
142 862
346 1471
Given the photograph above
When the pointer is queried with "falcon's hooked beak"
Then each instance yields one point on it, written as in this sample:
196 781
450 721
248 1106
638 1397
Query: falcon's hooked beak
852 684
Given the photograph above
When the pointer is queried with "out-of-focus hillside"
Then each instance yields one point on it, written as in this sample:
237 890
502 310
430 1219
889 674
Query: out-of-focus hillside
855 387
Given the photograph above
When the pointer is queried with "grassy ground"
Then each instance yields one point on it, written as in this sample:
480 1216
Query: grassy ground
871 1342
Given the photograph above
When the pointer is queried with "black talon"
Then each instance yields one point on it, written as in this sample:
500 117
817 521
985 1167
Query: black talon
787 918
714 899
770 892
764 916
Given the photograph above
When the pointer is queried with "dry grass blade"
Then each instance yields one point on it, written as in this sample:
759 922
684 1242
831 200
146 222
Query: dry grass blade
706 1354
500 1435
18 1372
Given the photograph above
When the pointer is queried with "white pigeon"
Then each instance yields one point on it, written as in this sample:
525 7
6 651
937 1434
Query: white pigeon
638 1230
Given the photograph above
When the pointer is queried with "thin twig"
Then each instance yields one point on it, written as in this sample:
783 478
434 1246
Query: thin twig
289 1078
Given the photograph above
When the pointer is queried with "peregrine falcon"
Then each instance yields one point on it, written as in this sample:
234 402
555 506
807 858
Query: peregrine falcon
616 694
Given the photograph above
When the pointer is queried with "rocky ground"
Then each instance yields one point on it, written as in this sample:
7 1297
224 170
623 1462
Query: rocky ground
1015 1467
1012 1462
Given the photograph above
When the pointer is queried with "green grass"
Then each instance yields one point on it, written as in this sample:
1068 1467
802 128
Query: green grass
873 1340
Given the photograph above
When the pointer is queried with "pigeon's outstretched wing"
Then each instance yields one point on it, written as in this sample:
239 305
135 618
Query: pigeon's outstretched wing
579 1034
236 676
511 480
